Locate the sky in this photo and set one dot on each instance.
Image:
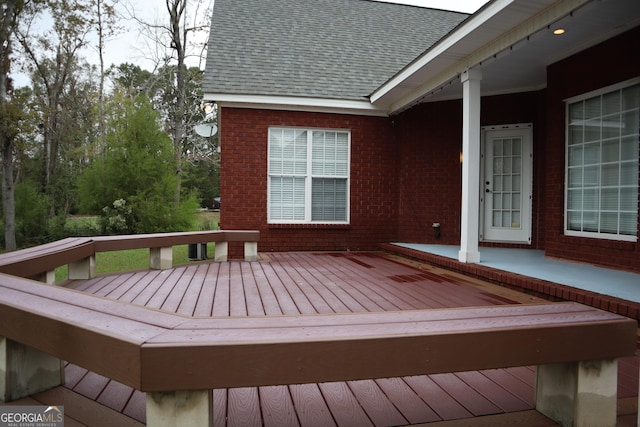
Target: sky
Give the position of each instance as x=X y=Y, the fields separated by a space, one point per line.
x=467 y=6
x=129 y=46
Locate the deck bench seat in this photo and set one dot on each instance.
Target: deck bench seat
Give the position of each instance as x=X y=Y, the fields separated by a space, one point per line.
x=160 y=244
x=176 y=358
x=157 y=240
x=38 y=260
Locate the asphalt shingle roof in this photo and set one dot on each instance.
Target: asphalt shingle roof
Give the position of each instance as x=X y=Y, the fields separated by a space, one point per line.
x=334 y=49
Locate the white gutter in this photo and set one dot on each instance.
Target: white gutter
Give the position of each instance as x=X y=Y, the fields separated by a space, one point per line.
x=321 y=105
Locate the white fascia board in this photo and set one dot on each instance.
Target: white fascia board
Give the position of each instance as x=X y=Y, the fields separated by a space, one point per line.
x=320 y=105
x=474 y=22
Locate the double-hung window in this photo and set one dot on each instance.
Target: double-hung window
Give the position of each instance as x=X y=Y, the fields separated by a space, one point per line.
x=602 y=163
x=308 y=176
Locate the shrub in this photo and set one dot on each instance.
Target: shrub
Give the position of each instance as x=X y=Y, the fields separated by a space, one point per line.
x=133 y=186
x=117 y=219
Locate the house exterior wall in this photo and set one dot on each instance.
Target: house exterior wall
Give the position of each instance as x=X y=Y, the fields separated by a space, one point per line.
x=373 y=181
x=406 y=172
x=606 y=64
x=430 y=138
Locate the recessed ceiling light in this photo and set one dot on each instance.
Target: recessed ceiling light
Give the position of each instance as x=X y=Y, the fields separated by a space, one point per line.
x=558 y=31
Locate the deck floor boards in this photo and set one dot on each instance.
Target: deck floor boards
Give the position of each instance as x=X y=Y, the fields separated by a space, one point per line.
x=316 y=283
x=311 y=408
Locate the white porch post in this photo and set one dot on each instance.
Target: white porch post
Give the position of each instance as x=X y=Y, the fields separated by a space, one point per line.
x=469 y=225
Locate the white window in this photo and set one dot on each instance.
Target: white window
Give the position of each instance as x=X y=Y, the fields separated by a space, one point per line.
x=602 y=163
x=308 y=176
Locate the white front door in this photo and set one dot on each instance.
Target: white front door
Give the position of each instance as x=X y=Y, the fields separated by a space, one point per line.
x=505 y=193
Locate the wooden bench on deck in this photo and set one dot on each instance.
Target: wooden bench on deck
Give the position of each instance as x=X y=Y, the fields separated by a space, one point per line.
x=39 y=262
x=178 y=359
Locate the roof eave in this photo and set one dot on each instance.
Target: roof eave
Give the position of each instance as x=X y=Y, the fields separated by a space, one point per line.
x=321 y=105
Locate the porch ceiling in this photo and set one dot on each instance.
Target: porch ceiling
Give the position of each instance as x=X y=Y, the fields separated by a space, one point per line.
x=512 y=59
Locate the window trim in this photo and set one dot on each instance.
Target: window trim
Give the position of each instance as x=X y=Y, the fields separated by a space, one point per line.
x=589 y=234
x=309 y=178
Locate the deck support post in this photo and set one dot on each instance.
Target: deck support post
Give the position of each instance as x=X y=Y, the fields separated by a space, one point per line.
x=48 y=277
x=250 y=251
x=578 y=393
x=83 y=269
x=25 y=371
x=221 y=251
x=469 y=216
x=180 y=408
x=161 y=258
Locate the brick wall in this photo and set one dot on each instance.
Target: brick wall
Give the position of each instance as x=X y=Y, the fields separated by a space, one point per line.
x=243 y=179
x=603 y=65
x=431 y=173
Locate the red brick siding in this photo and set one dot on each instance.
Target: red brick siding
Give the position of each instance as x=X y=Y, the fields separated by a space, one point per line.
x=603 y=65
x=243 y=179
x=430 y=171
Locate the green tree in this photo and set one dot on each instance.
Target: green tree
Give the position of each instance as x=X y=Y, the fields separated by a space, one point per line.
x=105 y=25
x=133 y=78
x=202 y=177
x=32 y=213
x=10 y=15
x=138 y=169
x=200 y=159
x=186 y=18
x=53 y=58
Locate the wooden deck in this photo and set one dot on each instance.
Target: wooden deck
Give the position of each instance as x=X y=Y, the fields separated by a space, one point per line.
x=316 y=283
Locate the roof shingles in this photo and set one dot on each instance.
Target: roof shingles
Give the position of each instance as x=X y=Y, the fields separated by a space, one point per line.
x=332 y=49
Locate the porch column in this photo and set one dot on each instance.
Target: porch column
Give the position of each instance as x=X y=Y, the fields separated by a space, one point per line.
x=469 y=225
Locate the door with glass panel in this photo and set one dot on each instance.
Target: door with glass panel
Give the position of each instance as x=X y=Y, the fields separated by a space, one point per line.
x=506 y=185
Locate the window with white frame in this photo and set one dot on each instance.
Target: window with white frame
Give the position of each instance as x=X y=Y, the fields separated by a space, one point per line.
x=308 y=176
x=602 y=163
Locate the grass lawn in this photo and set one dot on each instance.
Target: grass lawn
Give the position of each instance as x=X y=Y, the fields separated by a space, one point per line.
x=107 y=262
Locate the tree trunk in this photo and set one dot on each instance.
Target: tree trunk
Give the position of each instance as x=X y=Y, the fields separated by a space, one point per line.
x=102 y=121
x=6 y=144
x=8 y=200
x=176 y=10
x=9 y=15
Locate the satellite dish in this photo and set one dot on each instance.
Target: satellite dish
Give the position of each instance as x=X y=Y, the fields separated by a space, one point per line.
x=206 y=130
